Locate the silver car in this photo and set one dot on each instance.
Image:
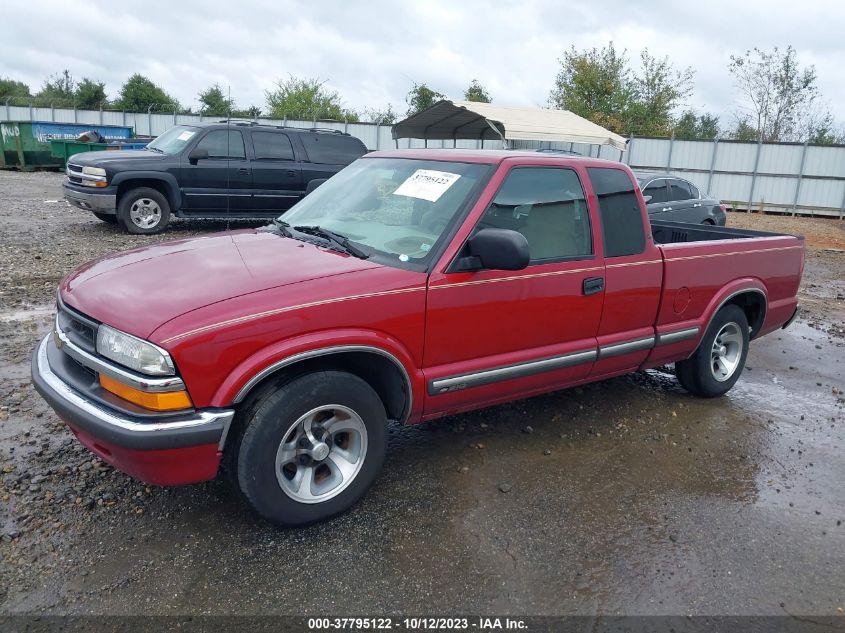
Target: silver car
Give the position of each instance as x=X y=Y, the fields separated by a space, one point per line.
x=677 y=200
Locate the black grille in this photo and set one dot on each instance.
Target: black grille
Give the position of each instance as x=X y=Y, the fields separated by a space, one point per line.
x=76 y=168
x=81 y=330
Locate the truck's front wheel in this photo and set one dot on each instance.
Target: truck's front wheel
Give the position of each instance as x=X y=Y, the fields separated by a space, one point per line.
x=143 y=211
x=720 y=358
x=311 y=448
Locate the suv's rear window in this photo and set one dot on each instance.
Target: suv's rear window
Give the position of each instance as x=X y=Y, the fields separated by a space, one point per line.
x=332 y=149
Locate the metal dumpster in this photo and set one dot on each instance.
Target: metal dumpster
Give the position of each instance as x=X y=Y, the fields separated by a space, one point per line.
x=64 y=149
x=26 y=144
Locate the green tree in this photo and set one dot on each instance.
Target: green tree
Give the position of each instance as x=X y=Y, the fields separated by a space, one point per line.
x=691 y=126
x=138 y=94
x=476 y=92
x=57 y=89
x=596 y=85
x=745 y=131
x=599 y=85
x=214 y=102
x=90 y=95
x=657 y=90
x=306 y=98
x=775 y=91
x=380 y=117
x=420 y=97
x=15 y=91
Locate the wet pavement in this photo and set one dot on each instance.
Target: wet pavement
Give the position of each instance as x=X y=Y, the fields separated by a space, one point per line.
x=624 y=497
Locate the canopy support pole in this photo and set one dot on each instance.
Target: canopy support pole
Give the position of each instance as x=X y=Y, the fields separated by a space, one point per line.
x=496 y=130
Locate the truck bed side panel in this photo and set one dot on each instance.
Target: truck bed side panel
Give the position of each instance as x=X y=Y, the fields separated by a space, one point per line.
x=700 y=276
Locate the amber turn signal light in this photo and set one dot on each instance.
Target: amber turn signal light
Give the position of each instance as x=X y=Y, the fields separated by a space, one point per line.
x=157 y=401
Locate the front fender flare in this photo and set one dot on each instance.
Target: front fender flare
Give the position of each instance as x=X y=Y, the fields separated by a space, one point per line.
x=251 y=371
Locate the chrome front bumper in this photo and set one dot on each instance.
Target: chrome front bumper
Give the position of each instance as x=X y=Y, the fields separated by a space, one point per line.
x=122 y=428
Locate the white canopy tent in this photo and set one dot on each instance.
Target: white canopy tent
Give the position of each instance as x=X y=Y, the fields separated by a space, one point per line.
x=485 y=121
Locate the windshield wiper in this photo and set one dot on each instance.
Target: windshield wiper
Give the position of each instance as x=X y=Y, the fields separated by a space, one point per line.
x=284 y=227
x=336 y=238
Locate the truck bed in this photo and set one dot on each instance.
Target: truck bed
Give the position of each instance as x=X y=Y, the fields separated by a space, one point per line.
x=665 y=232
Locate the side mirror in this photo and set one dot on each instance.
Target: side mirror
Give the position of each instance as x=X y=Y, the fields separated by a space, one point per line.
x=647 y=199
x=197 y=154
x=495 y=249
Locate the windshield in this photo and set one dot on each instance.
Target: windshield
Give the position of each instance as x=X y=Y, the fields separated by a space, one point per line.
x=174 y=140
x=398 y=207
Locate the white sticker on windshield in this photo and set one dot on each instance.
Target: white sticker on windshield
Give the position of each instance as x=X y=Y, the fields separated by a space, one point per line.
x=184 y=136
x=427 y=184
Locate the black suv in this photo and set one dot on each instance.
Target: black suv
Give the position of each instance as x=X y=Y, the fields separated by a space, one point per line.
x=235 y=169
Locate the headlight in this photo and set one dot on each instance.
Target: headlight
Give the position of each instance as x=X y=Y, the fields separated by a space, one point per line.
x=94 y=177
x=133 y=352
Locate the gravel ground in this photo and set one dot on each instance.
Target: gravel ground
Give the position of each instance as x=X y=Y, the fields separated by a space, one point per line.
x=624 y=497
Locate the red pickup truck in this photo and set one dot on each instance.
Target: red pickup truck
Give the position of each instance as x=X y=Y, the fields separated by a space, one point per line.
x=410 y=286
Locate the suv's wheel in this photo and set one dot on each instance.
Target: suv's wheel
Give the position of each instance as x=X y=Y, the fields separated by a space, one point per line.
x=720 y=358
x=310 y=448
x=109 y=218
x=143 y=211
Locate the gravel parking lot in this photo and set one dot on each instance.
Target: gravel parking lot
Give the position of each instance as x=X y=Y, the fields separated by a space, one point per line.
x=624 y=497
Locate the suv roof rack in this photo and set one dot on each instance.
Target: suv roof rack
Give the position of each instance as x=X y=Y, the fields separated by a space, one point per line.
x=319 y=130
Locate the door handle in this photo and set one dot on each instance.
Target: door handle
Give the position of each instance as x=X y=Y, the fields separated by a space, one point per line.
x=291 y=172
x=243 y=170
x=592 y=285
x=697 y=204
x=666 y=209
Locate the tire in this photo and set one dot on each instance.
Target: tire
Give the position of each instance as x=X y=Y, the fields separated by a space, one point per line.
x=143 y=211
x=108 y=218
x=720 y=358
x=273 y=458
x=709 y=222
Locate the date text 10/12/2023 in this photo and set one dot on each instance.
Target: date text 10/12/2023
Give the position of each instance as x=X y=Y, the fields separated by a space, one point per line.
x=417 y=624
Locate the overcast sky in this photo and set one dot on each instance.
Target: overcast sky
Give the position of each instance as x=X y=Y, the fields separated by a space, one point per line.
x=372 y=51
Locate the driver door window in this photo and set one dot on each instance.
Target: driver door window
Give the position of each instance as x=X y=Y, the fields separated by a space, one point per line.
x=547 y=205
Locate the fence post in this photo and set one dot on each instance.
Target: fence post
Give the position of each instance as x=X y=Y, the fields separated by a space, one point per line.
x=842 y=207
x=174 y=116
x=123 y=117
x=8 y=110
x=30 y=111
x=800 y=176
x=630 y=149
x=101 y=113
x=754 y=174
x=75 y=114
x=671 y=145
x=712 y=162
x=53 y=112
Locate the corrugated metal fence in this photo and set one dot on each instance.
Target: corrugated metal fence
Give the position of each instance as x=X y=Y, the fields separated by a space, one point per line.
x=776 y=177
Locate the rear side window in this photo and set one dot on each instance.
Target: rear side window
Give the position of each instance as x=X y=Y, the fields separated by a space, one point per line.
x=694 y=191
x=272 y=146
x=332 y=149
x=223 y=144
x=657 y=191
x=679 y=190
x=621 y=219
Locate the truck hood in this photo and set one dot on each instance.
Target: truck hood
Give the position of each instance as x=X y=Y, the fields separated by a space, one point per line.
x=104 y=157
x=139 y=290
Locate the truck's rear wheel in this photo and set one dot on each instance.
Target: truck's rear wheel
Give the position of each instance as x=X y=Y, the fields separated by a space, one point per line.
x=720 y=358
x=108 y=218
x=143 y=211
x=311 y=448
